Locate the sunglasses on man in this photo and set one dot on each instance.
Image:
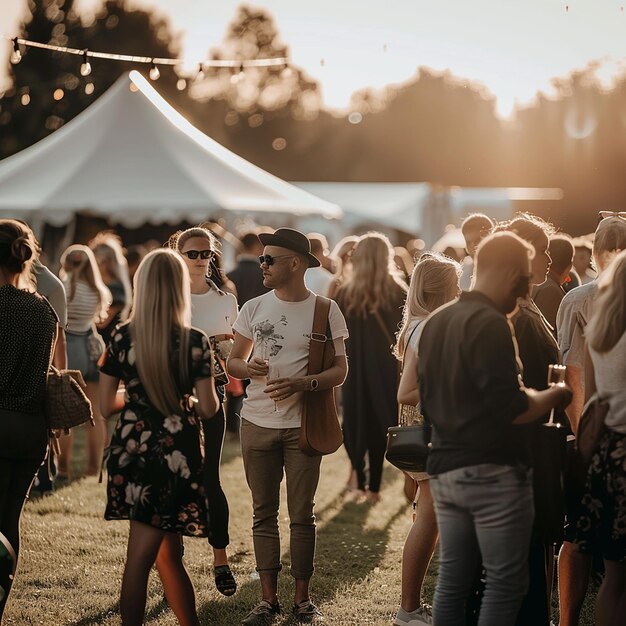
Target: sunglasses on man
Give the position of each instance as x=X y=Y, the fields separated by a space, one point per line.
x=194 y=254
x=604 y=214
x=268 y=259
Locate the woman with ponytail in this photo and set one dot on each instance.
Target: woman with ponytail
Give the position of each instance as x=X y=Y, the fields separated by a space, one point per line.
x=213 y=311
x=27 y=332
x=88 y=301
x=155 y=458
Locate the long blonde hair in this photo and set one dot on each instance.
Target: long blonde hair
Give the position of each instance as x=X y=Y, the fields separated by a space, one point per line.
x=161 y=311
x=608 y=322
x=78 y=263
x=108 y=246
x=375 y=280
x=434 y=282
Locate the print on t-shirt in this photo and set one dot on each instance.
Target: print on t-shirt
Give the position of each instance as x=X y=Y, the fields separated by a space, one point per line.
x=266 y=337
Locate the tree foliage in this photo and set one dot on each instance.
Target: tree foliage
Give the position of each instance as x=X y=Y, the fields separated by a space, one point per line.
x=114 y=28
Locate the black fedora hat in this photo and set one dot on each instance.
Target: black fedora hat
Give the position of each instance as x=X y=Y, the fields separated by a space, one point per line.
x=292 y=240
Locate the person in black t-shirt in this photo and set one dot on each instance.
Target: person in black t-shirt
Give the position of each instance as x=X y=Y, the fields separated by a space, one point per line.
x=472 y=394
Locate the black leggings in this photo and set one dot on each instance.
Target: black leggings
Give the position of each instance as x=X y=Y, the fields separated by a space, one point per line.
x=23 y=441
x=376 y=447
x=218 y=505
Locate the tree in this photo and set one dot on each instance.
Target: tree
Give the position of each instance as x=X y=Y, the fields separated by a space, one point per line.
x=258 y=93
x=48 y=89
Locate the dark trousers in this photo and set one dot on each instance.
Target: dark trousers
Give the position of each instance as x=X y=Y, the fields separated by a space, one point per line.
x=218 y=505
x=376 y=442
x=23 y=443
x=534 y=610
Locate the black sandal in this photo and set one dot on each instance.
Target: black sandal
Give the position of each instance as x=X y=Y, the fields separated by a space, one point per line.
x=225 y=581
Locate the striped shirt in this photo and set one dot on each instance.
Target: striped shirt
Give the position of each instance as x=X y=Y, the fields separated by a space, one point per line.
x=82 y=308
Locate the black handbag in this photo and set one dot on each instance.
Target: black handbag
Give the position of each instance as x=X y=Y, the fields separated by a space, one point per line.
x=408 y=447
x=408 y=443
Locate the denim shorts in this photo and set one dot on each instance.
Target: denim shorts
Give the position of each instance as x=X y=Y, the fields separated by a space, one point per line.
x=83 y=353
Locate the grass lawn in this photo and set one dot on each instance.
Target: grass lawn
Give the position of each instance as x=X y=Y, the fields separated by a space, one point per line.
x=72 y=560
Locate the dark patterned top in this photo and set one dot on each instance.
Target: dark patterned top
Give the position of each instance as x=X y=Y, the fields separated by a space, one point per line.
x=27 y=330
x=154 y=462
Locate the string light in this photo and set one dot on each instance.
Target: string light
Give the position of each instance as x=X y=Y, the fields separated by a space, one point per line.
x=85 y=67
x=16 y=55
x=181 y=83
x=234 y=63
x=154 y=72
x=200 y=74
x=239 y=76
x=89 y=88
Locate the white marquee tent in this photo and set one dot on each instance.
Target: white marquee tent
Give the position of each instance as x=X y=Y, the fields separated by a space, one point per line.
x=133 y=158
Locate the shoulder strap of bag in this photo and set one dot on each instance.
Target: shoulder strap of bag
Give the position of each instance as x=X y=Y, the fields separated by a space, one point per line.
x=385 y=330
x=318 y=334
x=408 y=341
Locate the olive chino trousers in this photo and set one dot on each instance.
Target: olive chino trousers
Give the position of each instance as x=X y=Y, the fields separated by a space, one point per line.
x=268 y=454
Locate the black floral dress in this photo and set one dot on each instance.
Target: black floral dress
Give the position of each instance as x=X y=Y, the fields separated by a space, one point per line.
x=154 y=462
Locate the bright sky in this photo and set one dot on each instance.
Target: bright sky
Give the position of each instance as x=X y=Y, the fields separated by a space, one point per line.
x=513 y=47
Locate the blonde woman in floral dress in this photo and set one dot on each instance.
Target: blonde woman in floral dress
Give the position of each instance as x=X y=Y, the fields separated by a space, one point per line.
x=155 y=458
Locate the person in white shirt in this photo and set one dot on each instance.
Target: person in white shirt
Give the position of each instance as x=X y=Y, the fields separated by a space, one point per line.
x=214 y=312
x=475 y=228
x=272 y=336
x=319 y=279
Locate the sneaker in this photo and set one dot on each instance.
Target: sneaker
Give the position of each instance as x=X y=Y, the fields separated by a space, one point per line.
x=421 y=615
x=262 y=614
x=306 y=612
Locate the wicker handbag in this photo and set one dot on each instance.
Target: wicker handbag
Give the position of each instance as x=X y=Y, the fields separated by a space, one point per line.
x=67 y=405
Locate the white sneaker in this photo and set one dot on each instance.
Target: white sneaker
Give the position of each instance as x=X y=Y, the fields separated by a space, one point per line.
x=421 y=615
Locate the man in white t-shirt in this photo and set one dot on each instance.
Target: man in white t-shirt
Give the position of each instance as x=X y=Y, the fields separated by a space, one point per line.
x=271 y=348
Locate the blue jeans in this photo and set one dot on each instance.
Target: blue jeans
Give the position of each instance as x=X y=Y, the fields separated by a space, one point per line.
x=483 y=511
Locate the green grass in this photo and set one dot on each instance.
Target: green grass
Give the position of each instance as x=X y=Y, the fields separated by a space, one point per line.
x=72 y=560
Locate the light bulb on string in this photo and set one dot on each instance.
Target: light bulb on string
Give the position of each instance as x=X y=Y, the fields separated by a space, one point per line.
x=154 y=71
x=200 y=73
x=239 y=76
x=16 y=55
x=85 y=67
x=181 y=83
x=89 y=88
x=287 y=71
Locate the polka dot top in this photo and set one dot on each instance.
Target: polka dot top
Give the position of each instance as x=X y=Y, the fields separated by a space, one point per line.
x=27 y=330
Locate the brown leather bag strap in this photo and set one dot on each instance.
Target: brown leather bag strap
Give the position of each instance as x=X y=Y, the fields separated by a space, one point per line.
x=318 y=335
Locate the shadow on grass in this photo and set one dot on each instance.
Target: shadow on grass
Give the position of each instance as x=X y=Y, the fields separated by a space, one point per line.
x=97 y=618
x=346 y=553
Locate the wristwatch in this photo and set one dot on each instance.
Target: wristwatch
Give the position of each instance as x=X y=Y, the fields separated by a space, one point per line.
x=314 y=384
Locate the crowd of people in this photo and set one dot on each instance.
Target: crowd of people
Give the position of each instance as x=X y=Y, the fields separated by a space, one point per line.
x=180 y=352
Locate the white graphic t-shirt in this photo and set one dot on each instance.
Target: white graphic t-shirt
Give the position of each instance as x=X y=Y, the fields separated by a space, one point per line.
x=281 y=333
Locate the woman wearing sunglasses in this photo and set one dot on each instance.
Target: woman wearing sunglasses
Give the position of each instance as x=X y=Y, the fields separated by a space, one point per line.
x=214 y=312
